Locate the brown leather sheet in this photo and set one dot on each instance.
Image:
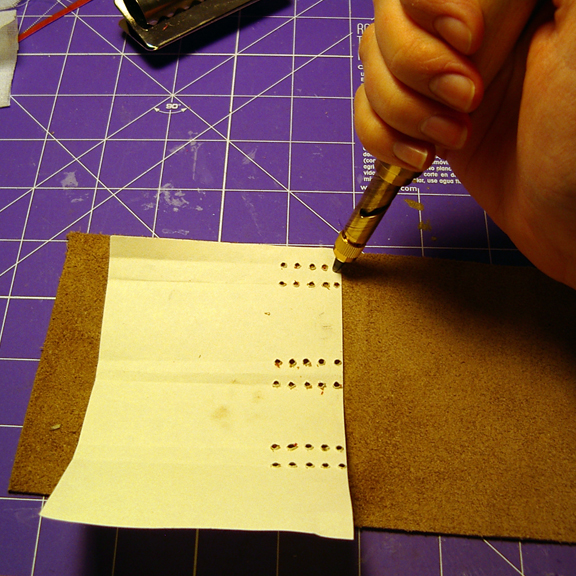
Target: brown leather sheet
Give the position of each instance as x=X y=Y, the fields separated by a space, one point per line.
x=460 y=393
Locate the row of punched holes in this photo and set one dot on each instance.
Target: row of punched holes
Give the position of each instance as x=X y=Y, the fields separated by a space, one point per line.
x=293 y=363
x=324 y=465
x=307 y=385
x=297 y=266
x=312 y=284
x=294 y=446
x=296 y=284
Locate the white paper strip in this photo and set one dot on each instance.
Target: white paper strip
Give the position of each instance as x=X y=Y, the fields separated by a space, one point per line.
x=218 y=400
x=5 y=4
x=8 y=53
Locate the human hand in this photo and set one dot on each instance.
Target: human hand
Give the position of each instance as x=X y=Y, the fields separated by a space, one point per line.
x=494 y=93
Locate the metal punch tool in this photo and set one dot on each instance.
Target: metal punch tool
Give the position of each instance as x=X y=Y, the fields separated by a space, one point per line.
x=156 y=23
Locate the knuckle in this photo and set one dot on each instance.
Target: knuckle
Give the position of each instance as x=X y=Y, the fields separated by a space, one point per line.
x=415 y=63
x=405 y=56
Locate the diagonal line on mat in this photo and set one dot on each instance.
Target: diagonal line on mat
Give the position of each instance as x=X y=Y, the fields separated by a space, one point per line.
x=230 y=58
x=52 y=18
x=77 y=158
x=70 y=224
x=36 y=174
x=294 y=195
x=252 y=99
x=49 y=9
x=138 y=67
x=176 y=150
x=103 y=149
x=210 y=126
x=502 y=556
x=113 y=195
x=96 y=178
x=122 y=54
x=245 y=104
x=289 y=20
x=309 y=8
x=15 y=200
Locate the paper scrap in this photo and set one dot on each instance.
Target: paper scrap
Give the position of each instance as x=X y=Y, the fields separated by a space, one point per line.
x=8 y=53
x=6 y=4
x=218 y=400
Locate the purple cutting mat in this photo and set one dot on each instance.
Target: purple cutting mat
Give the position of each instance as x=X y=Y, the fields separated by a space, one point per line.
x=243 y=133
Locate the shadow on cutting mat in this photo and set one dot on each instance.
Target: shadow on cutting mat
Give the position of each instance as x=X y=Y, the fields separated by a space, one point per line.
x=101 y=551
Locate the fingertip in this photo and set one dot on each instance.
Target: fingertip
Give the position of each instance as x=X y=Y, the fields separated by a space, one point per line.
x=460 y=23
x=387 y=144
x=456 y=90
x=416 y=157
x=447 y=131
x=455 y=32
x=367 y=35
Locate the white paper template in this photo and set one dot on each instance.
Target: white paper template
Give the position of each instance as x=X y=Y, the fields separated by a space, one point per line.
x=8 y=53
x=218 y=400
x=6 y=4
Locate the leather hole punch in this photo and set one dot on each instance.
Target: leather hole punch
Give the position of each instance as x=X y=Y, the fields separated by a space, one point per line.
x=156 y=23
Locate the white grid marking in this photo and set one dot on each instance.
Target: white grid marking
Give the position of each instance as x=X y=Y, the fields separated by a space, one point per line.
x=519 y=570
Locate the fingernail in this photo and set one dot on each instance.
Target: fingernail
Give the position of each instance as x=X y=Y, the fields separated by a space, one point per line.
x=445 y=131
x=413 y=155
x=455 y=32
x=455 y=89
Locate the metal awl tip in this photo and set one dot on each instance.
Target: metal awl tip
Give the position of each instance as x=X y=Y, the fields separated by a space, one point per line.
x=337 y=266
